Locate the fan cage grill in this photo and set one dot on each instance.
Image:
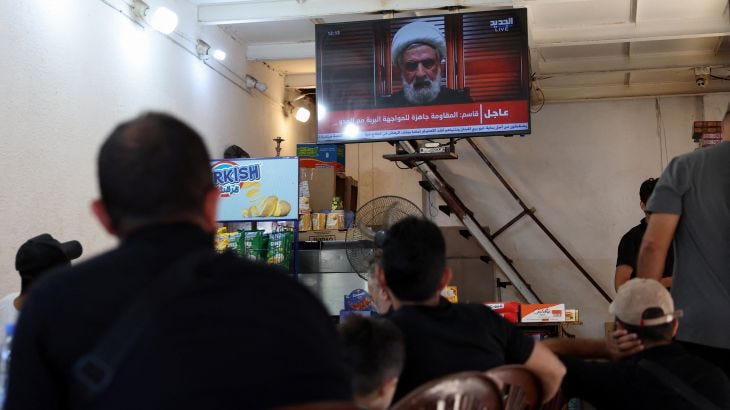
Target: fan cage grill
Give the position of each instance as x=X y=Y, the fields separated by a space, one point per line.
x=378 y=215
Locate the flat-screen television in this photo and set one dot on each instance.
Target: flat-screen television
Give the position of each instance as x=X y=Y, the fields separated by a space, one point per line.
x=441 y=76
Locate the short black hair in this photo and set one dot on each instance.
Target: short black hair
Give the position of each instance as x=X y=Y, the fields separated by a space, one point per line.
x=151 y=168
x=413 y=259
x=657 y=333
x=647 y=187
x=373 y=349
x=53 y=259
x=234 y=151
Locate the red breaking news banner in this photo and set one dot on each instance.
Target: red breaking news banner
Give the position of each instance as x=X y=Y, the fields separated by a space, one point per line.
x=509 y=117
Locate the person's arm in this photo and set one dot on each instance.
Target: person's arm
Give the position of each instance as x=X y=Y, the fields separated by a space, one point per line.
x=583 y=348
x=32 y=383
x=618 y=346
x=655 y=245
x=628 y=251
x=548 y=368
x=623 y=274
x=666 y=282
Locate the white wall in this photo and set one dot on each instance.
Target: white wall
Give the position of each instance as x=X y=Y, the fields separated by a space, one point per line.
x=377 y=176
x=580 y=168
x=73 y=69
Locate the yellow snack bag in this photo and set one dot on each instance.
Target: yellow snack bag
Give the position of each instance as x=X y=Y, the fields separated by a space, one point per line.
x=221 y=239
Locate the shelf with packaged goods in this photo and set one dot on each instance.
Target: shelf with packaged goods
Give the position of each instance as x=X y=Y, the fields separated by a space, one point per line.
x=271 y=242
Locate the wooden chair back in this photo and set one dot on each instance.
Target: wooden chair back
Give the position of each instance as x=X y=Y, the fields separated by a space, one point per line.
x=458 y=391
x=559 y=402
x=521 y=389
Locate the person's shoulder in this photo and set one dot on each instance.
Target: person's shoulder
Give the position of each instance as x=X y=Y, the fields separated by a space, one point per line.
x=719 y=153
x=241 y=273
x=70 y=277
x=58 y=289
x=246 y=269
x=480 y=313
x=721 y=149
x=636 y=231
x=474 y=308
x=679 y=357
x=628 y=236
x=415 y=315
x=477 y=308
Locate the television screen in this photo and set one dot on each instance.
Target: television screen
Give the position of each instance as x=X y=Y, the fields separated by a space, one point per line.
x=452 y=75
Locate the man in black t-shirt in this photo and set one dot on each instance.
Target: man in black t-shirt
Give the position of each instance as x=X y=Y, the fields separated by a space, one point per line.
x=628 y=248
x=441 y=337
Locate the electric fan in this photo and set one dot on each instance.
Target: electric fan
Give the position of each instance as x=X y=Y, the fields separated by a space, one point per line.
x=372 y=221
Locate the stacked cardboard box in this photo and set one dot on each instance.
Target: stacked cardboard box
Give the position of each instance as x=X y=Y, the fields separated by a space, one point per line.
x=321 y=180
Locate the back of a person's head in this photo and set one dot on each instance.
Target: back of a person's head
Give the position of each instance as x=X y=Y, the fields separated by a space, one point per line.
x=647 y=187
x=41 y=254
x=374 y=351
x=645 y=307
x=151 y=168
x=234 y=151
x=656 y=333
x=413 y=259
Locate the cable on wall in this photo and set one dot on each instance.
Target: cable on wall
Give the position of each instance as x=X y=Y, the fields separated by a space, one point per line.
x=661 y=136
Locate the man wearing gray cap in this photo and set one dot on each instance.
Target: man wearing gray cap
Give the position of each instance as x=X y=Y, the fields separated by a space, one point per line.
x=417 y=50
x=661 y=375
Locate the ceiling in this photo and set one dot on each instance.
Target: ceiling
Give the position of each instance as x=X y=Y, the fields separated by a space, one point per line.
x=580 y=49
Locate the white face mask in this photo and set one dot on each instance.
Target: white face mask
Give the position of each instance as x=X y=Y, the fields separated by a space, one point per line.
x=422 y=95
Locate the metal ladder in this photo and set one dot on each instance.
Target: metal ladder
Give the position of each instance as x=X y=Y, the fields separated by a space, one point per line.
x=485 y=240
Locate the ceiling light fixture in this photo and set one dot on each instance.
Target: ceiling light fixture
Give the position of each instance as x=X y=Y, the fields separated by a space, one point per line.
x=302 y=114
x=219 y=55
x=252 y=83
x=161 y=19
x=204 y=52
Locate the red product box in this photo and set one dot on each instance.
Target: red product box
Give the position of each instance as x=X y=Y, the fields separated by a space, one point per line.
x=544 y=312
x=508 y=310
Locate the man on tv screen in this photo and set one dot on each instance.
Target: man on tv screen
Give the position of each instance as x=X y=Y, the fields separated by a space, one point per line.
x=417 y=50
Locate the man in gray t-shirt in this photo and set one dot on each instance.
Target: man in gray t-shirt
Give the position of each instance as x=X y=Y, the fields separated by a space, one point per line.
x=691 y=203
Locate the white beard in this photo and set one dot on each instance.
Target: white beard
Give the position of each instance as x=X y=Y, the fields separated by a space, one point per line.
x=422 y=95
